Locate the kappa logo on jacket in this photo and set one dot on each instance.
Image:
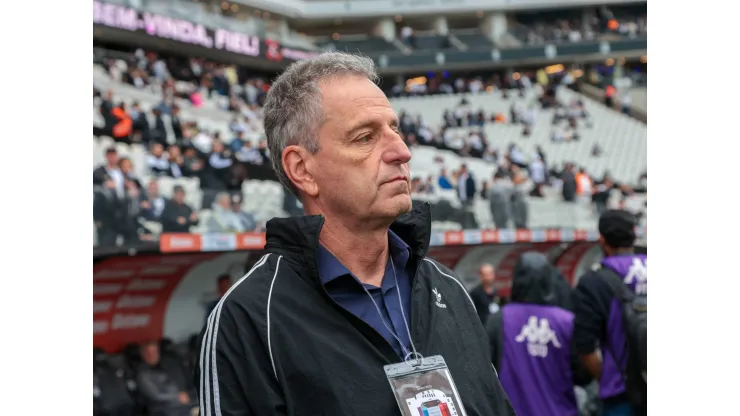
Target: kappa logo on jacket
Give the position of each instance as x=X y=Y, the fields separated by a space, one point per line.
x=537 y=333
x=438 y=298
x=637 y=275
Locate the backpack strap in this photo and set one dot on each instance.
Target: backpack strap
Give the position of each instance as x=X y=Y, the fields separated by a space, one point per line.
x=616 y=284
x=624 y=296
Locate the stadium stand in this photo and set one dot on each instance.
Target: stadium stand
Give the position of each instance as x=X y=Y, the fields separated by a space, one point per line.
x=620 y=140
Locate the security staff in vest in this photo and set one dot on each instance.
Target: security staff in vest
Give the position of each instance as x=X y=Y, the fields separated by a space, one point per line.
x=598 y=320
x=346 y=289
x=532 y=343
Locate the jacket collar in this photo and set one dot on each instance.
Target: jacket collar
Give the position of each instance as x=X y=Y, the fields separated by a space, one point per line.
x=298 y=237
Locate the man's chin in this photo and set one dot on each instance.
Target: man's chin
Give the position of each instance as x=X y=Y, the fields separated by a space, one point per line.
x=405 y=206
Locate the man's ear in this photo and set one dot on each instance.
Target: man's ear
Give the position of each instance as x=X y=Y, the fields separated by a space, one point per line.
x=297 y=162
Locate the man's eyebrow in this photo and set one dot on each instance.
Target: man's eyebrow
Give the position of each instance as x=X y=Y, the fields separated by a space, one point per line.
x=362 y=125
x=370 y=123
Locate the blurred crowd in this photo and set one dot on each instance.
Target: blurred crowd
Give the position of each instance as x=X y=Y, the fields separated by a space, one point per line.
x=128 y=206
x=569 y=27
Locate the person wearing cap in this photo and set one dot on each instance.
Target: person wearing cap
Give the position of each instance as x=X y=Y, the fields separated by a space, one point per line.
x=598 y=319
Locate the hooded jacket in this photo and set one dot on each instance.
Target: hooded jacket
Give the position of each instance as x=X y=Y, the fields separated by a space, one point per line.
x=531 y=341
x=277 y=344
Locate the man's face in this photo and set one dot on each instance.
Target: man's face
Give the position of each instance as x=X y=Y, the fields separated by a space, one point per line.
x=173 y=151
x=157 y=150
x=217 y=146
x=153 y=189
x=150 y=353
x=179 y=197
x=361 y=168
x=487 y=274
x=225 y=202
x=126 y=166
x=111 y=158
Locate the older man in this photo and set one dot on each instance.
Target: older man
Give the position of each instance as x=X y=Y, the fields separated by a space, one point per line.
x=346 y=290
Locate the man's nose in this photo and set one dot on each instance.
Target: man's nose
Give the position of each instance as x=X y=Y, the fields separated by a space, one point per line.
x=397 y=151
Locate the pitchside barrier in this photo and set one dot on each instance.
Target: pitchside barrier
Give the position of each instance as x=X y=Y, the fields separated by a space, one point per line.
x=161 y=290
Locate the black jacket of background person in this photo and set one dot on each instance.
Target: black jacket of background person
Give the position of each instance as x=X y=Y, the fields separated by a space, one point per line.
x=483 y=301
x=279 y=345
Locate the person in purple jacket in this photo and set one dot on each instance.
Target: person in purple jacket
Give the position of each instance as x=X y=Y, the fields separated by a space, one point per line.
x=531 y=342
x=598 y=317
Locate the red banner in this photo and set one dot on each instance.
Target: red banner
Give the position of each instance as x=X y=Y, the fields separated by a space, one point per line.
x=130 y=296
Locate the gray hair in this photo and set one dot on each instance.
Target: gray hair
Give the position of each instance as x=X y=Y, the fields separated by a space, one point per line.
x=293 y=111
x=221 y=196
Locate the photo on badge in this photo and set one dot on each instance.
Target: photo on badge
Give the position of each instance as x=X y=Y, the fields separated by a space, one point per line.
x=428 y=393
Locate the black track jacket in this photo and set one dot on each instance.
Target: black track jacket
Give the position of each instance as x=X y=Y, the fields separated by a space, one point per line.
x=277 y=344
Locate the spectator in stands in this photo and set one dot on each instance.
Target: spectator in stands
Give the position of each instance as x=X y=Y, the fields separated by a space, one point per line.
x=248 y=221
x=176 y=162
x=584 y=184
x=596 y=150
x=192 y=163
x=109 y=172
x=161 y=387
x=107 y=213
x=416 y=185
x=177 y=216
x=122 y=124
x=238 y=141
x=214 y=177
x=485 y=296
x=466 y=188
x=223 y=218
x=247 y=153
x=203 y=141
x=500 y=200
x=157 y=161
x=538 y=176
x=625 y=100
x=127 y=170
x=158 y=132
x=430 y=187
x=519 y=205
x=569 y=183
x=140 y=124
x=153 y=204
x=176 y=123
x=106 y=110
x=130 y=207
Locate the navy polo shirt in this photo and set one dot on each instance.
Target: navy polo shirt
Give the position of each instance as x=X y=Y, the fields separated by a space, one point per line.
x=347 y=291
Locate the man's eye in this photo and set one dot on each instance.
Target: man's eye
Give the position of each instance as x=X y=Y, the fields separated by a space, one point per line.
x=365 y=139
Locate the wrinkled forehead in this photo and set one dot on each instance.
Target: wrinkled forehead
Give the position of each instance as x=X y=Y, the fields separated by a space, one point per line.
x=346 y=98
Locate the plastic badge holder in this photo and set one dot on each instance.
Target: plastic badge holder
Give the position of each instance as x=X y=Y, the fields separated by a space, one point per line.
x=424 y=387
